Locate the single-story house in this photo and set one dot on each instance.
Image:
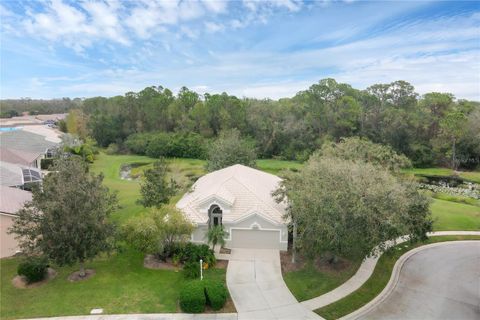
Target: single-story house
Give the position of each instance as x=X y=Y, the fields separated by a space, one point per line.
x=240 y=199
x=18 y=176
x=27 y=146
x=11 y=200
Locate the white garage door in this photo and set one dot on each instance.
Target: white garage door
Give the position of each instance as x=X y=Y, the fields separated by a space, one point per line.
x=258 y=239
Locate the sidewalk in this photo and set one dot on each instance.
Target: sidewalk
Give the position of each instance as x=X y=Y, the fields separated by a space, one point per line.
x=365 y=271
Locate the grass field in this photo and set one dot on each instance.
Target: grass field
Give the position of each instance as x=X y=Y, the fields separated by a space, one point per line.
x=121 y=285
x=450 y=215
x=378 y=280
x=473 y=176
x=311 y=282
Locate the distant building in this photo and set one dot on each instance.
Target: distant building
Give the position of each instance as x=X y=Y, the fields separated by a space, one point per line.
x=11 y=201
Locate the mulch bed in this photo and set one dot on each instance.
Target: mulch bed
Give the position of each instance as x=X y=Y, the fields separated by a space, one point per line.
x=152 y=262
x=221 y=264
x=321 y=264
x=20 y=282
x=76 y=275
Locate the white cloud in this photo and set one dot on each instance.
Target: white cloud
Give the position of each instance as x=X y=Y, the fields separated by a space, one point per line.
x=213 y=27
x=217 y=6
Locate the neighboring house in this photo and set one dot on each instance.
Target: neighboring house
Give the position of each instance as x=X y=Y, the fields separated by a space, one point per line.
x=18 y=176
x=11 y=200
x=240 y=199
x=25 y=148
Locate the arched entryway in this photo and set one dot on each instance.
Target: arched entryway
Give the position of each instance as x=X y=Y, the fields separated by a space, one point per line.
x=214 y=216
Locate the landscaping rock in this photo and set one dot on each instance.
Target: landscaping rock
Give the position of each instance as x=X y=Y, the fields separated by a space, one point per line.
x=20 y=282
x=76 y=275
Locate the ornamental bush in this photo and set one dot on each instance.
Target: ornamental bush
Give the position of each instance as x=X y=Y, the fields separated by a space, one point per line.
x=191 y=270
x=194 y=252
x=216 y=294
x=192 y=297
x=34 y=269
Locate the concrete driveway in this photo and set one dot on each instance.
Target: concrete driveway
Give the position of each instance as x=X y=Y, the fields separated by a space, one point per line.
x=256 y=285
x=441 y=282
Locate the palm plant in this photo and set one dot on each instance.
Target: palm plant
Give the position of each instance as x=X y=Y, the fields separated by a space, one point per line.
x=216 y=235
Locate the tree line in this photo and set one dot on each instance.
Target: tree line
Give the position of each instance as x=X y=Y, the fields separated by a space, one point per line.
x=433 y=129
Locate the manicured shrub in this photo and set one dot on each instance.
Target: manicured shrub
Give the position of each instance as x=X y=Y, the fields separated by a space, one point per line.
x=33 y=268
x=192 y=297
x=216 y=294
x=191 y=270
x=194 y=252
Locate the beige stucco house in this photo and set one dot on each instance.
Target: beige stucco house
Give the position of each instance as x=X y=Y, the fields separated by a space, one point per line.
x=11 y=200
x=240 y=199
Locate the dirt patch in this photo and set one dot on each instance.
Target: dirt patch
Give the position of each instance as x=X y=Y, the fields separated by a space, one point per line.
x=225 y=251
x=20 y=282
x=221 y=264
x=321 y=264
x=286 y=262
x=76 y=275
x=152 y=262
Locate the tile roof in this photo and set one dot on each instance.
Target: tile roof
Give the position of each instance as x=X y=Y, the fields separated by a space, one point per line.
x=242 y=189
x=13 y=199
x=17 y=156
x=25 y=141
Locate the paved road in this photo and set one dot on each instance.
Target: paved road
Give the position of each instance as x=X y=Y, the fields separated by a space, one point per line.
x=437 y=283
x=256 y=285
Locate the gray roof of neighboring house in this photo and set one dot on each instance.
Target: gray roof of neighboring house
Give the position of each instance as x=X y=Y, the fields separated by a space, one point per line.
x=17 y=156
x=13 y=199
x=25 y=141
x=16 y=175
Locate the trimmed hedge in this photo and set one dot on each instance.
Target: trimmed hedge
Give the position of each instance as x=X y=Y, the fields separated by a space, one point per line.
x=191 y=270
x=192 y=297
x=196 y=294
x=216 y=294
x=34 y=269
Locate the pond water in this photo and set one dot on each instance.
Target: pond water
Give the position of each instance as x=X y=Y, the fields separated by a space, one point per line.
x=126 y=170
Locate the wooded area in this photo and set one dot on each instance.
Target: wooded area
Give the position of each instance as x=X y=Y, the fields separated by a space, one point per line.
x=433 y=129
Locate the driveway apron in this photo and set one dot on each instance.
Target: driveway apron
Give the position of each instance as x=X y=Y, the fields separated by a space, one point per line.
x=255 y=282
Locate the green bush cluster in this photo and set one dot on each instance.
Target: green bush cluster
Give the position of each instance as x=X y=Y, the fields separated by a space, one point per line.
x=163 y=144
x=191 y=269
x=195 y=252
x=192 y=297
x=196 y=294
x=216 y=294
x=46 y=163
x=34 y=269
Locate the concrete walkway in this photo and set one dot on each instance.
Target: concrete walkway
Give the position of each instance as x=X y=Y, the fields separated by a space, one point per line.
x=256 y=285
x=152 y=316
x=436 y=281
x=364 y=273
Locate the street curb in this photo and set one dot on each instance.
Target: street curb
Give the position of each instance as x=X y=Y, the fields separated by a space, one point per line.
x=397 y=269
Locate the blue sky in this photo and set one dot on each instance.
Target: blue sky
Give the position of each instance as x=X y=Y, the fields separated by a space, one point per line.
x=248 y=48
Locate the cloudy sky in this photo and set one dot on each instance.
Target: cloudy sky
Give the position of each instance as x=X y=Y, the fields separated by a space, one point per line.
x=259 y=49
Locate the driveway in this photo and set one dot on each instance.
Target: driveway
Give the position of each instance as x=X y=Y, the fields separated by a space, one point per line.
x=441 y=282
x=256 y=285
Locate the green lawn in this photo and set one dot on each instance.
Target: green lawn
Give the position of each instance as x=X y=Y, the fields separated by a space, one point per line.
x=450 y=215
x=473 y=176
x=311 y=282
x=121 y=285
x=378 y=280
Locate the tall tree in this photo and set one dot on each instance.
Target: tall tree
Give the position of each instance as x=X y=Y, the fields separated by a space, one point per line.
x=229 y=149
x=67 y=219
x=345 y=208
x=156 y=190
